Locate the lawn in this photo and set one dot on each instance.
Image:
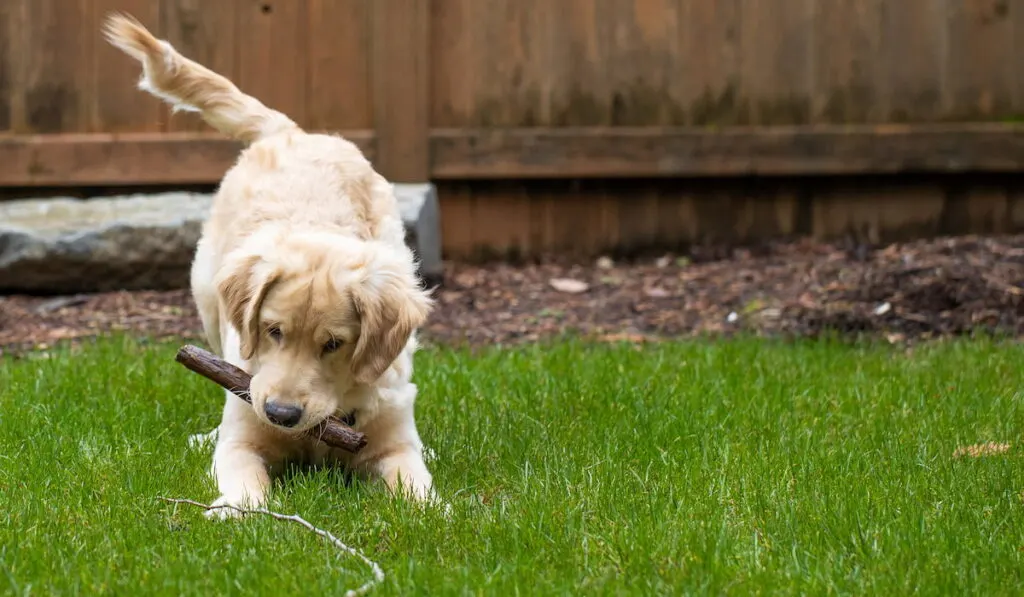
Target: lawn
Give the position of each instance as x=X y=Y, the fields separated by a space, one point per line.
x=738 y=467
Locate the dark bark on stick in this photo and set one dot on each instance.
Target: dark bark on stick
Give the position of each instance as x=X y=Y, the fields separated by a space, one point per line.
x=331 y=432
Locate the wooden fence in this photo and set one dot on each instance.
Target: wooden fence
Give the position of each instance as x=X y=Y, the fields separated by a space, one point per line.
x=571 y=125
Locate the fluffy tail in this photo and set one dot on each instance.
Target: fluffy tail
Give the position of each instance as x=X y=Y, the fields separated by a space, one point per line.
x=187 y=85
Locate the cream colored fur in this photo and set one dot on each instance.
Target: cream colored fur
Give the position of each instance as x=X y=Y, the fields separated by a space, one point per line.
x=302 y=277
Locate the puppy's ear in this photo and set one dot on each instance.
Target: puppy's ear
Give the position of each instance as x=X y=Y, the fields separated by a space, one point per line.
x=242 y=284
x=390 y=305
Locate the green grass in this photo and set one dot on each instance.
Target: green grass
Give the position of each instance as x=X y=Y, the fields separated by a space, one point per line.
x=735 y=467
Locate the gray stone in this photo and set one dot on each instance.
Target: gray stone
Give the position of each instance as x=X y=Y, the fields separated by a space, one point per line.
x=421 y=214
x=65 y=245
x=131 y=242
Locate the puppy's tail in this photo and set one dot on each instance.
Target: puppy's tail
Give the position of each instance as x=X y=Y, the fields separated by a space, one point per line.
x=187 y=85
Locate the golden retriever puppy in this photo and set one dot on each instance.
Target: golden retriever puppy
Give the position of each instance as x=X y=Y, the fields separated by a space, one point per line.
x=302 y=277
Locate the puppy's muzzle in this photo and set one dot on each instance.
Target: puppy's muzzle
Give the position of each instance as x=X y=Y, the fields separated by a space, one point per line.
x=285 y=415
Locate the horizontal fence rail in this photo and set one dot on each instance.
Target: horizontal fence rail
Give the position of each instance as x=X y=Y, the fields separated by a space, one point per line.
x=503 y=154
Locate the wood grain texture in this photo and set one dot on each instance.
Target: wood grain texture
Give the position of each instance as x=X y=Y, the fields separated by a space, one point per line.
x=639 y=223
x=338 y=78
x=205 y=32
x=400 y=32
x=130 y=159
x=588 y=218
x=801 y=150
x=9 y=22
x=1015 y=205
x=452 y=63
x=848 y=76
x=707 y=213
x=55 y=71
x=711 y=83
x=117 y=105
x=1016 y=15
x=878 y=212
x=640 y=61
x=570 y=63
x=457 y=224
x=979 y=76
x=271 y=54
x=988 y=209
x=915 y=32
x=607 y=152
x=331 y=64
x=775 y=60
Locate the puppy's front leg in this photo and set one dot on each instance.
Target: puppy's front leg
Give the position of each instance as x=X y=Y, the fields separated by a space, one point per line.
x=242 y=478
x=404 y=471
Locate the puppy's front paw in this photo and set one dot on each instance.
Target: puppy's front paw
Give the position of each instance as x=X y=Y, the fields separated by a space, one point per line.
x=198 y=441
x=226 y=508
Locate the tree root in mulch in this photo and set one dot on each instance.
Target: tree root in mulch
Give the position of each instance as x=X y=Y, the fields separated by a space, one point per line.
x=926 y=289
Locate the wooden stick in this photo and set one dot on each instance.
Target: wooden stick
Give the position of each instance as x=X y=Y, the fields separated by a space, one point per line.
x=332 y=432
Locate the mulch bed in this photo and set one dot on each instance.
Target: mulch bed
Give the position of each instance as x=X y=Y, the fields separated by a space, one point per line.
x=904 y=292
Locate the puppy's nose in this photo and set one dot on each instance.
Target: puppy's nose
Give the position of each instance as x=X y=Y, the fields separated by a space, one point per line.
x=285 y=415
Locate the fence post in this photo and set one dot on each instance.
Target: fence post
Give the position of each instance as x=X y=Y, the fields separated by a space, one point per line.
x=399 y=69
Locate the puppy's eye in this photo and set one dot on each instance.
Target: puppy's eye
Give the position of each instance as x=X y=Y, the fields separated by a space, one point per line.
x=332 y=345
x=274 y=332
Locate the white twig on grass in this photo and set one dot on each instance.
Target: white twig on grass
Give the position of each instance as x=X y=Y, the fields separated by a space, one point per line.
x=378 y=574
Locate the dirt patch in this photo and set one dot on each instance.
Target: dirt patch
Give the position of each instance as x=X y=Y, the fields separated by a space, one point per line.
x=979 y=450
x=910 y=291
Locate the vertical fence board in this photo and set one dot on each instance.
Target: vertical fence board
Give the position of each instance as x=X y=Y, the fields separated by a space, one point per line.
x=205 y=32
x=606 y=229
x=1015 y=206
x=586 y=85
x=9 y=21
x=338 y=39
x=776 y=54
x=548 y=217
x=1016 y=15
x=847 y=63
x=979 y=59
x=988 y=209
x=568 y=63
x=678 y=220
x=636 y=38
x=879 y=212
x=501 y=219
x=638 y=221
x=711 y=32
x=400 y=31
x=16 y=34
x=271 y=54
x=451 y=62
x=659 y=88
x=117 y=104
x=545 y=49
x=912 y=48
x=456 y=209
x=55 y=79
x=507 y=50
x=580 y=198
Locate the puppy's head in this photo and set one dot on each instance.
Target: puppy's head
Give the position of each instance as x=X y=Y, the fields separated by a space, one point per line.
x=316 y=315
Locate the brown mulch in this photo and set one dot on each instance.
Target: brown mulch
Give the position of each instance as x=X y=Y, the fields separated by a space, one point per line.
x=908 y=291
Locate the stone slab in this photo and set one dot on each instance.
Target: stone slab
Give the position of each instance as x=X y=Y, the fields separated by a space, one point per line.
x=64 y=245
